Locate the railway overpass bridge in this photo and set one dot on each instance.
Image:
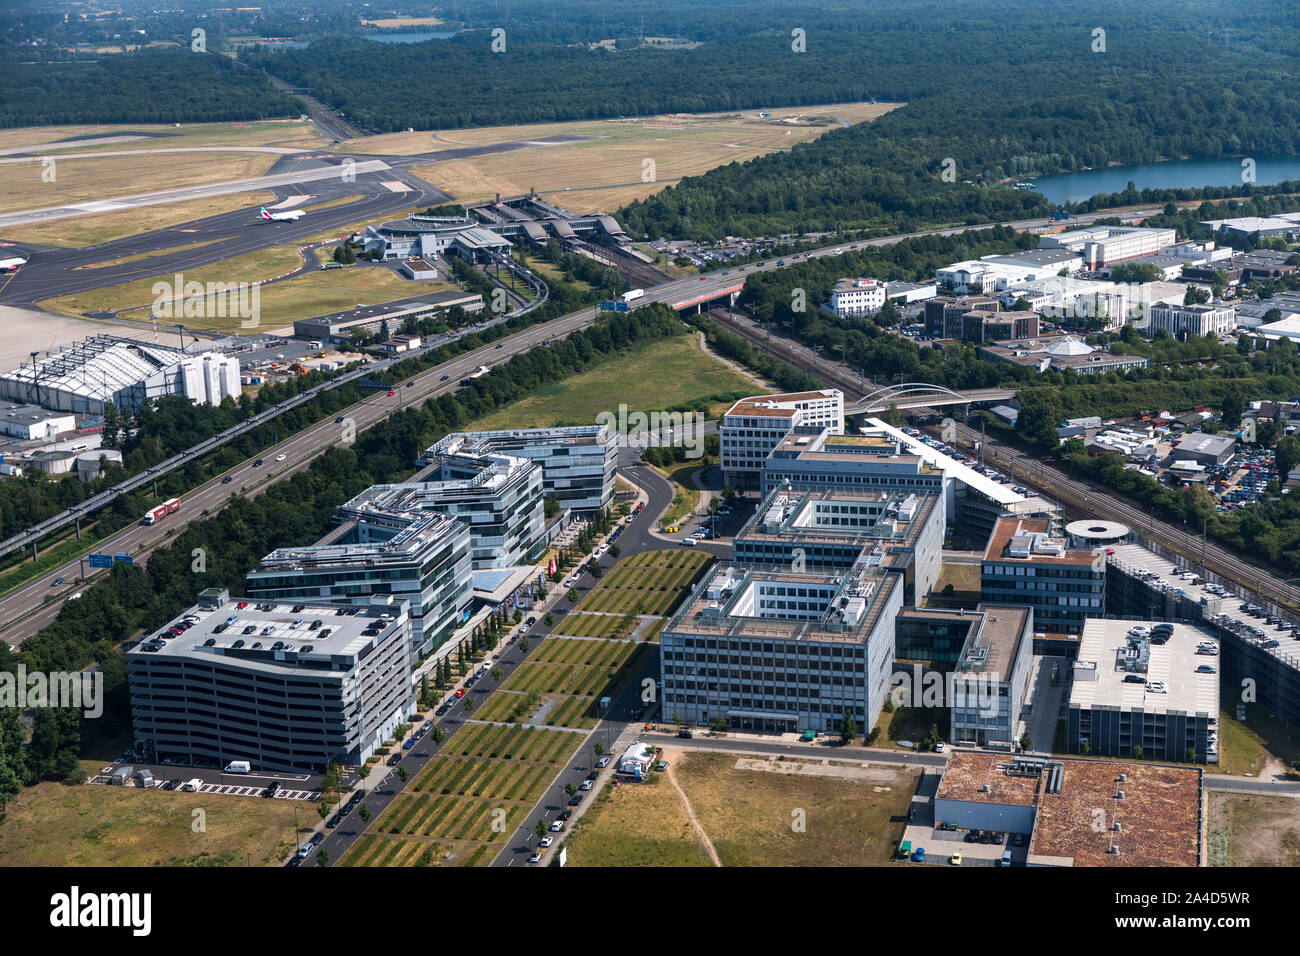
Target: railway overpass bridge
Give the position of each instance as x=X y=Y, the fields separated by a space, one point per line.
x=917 y=395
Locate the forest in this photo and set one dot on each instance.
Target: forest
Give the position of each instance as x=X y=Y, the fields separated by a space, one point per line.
x=152 y=86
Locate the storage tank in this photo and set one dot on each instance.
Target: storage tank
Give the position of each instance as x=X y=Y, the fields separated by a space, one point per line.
x=88 y=462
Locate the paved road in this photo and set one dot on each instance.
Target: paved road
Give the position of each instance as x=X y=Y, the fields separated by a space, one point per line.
x=299 y=451
x=1079 y=499
x=58 y=272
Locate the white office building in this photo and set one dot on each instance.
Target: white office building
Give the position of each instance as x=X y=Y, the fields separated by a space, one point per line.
x=577 y=462
x=1180 y=321
x=857 y=297
x=754 y=426
x=1099 y=246
x=426 y=563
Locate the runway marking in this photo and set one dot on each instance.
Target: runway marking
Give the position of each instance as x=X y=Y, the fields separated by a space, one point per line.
x=394 y=185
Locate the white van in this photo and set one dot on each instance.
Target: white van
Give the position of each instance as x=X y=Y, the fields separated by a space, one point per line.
x=238 y=766
x=192 y=786
x=688 y=542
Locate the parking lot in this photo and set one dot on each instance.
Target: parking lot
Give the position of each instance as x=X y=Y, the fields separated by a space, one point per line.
x=1243 y=479
x=214 y=780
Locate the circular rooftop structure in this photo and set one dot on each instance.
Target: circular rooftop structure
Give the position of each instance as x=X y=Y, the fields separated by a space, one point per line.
x=1093 y=532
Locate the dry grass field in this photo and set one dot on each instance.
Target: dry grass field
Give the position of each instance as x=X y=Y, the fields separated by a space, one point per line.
x=604 y=172
x=57 y=825
x=1251 y=830
x=313 y=293
x=785 y=815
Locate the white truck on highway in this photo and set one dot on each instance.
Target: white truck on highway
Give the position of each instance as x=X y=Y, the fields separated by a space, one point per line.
x=633 y=294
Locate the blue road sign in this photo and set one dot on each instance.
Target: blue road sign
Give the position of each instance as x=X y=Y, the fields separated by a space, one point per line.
x=101 y=561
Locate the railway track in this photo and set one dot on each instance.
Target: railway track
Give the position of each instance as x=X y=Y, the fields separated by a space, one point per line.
x=1077 y=499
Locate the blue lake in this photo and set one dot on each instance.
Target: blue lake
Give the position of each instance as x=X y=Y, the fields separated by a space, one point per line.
x=408 y=37
x=1175 y=174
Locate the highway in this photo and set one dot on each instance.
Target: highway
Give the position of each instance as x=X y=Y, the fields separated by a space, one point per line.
x=299 y=450
x=16 y=608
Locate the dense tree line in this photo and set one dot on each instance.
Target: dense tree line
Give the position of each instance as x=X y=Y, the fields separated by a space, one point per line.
x=151 y=86
x=295 y=511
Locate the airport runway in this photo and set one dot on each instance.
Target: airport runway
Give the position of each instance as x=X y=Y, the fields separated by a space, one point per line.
x=54 y=272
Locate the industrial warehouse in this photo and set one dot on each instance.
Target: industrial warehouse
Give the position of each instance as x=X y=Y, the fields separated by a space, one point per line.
x=83 y=378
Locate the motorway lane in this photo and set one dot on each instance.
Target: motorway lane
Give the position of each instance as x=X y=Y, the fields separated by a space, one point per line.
x=299 y=450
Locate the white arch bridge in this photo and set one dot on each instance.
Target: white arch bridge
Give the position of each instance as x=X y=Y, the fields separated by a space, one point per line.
x=923 y=395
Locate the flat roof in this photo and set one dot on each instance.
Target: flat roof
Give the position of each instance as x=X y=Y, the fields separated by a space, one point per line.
x=699 y=614
x=782 y=404
x=1159 y=814
x=30 y=414
x=993 y=490
x=969 y=772
x=785 y=515
x=1160 y=573
x=1173 y=663
x=339 y=635
x=1008 y=528
x=993 y=649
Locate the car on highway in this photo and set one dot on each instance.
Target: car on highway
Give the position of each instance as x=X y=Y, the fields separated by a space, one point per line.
x=391 y=393
x=56 y=582
x=444 y=378
x=279 y=457
x=339 y=420
x=460 y=692
x=501 y=345
x=256 y=463
x=226 y=480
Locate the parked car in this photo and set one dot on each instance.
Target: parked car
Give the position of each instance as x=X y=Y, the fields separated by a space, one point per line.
x=602 y=762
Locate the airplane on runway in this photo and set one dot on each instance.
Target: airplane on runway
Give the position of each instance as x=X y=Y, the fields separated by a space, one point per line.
x=287 y=216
